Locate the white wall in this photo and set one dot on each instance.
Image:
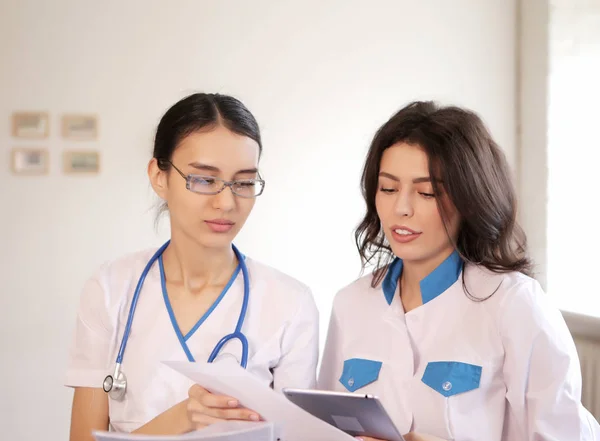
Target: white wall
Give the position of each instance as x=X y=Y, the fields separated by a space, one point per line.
x=558 y=148
x=320 y=77
x=533 y=129
x=573 y=154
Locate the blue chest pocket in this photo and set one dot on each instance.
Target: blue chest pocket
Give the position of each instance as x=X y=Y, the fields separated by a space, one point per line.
x=359 y=372
x=451 y=377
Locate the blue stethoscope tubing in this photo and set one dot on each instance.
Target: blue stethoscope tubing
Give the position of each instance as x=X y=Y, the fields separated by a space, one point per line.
x=237 y=334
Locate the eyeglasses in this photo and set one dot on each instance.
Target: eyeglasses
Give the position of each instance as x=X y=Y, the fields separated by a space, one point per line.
x=211 y=185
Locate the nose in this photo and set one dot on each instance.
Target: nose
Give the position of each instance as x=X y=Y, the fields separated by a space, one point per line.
x=404 y=204
x=225 y=200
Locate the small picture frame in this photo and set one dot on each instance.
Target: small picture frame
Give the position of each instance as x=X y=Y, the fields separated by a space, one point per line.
x=30 y=125
x=29 y=161
x=80 y=127
x=81 y=162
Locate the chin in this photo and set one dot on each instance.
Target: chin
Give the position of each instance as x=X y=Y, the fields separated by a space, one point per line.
x=411 y=252
x=211 y=240
x=216 y=240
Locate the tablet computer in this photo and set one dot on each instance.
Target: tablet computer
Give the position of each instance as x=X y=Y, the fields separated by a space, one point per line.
x=355 y=414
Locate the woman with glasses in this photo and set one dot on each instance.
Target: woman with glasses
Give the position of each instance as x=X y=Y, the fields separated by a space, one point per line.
x=195 y=298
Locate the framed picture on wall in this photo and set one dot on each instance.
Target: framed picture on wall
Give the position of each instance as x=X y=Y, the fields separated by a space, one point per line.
x=81 y=162
x=30 y=125
x=29 y=161
x=80 y=127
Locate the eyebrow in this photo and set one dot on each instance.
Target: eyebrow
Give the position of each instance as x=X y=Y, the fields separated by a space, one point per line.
x=415 y=180
x=212 y=168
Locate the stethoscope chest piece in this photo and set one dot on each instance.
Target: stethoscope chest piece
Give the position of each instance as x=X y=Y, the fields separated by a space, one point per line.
x=115 y=385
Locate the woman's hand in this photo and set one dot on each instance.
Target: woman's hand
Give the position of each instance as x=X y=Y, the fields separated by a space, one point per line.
x=205 y=408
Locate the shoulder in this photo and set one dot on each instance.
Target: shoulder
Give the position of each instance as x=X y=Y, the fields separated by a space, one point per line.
x=482 y=283
x=518 y=303
x=125 y=266
x=359 y=296
x=270 y=277
x=498 y=290
x=114 y=276
x=276 y=285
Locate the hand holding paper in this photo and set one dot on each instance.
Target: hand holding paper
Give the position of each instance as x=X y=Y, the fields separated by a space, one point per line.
x=205 y=408
x=228 y=378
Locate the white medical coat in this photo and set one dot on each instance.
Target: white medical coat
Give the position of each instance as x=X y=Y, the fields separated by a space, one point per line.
x=281 y=326
x=501 y=369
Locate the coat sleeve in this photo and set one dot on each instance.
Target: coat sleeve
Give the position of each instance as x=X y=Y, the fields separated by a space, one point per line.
x=331 y=359
x=88 y=361
x=541 y=371
x=300 y=349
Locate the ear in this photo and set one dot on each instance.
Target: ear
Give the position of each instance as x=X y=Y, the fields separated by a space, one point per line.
x=158 y=179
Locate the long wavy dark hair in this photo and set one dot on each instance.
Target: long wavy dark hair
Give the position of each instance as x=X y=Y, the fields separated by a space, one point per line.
x=475 y=176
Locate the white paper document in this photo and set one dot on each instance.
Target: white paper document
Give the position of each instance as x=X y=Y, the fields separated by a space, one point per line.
x=226 y=431
x=291 y=422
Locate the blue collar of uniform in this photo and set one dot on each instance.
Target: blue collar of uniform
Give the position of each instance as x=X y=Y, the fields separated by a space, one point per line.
x=436 y=282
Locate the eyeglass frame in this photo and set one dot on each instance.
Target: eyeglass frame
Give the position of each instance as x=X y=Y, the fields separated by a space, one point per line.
x=229 y=184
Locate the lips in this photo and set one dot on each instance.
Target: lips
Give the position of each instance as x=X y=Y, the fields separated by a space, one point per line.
x=403 y=230
x=220 y=225
x=403 y=234
x=220 y=222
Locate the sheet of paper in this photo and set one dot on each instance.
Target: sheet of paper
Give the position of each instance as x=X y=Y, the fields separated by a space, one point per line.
x=227 y=431
x=228 y=378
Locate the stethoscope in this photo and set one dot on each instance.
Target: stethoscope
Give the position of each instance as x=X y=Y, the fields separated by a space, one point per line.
x=116 y=384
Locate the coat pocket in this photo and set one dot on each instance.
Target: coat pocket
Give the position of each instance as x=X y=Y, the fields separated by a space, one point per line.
x=359 y=372
x=451 y=378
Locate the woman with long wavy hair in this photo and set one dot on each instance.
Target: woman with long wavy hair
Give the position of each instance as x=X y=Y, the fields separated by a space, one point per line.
x=451 y=330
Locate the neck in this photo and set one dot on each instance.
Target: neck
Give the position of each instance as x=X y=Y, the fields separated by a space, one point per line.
x=415 y=271
x=194 y=266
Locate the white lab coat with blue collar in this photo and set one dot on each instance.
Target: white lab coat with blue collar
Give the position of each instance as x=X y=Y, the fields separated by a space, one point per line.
x=281 y=325
x=501 y=369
